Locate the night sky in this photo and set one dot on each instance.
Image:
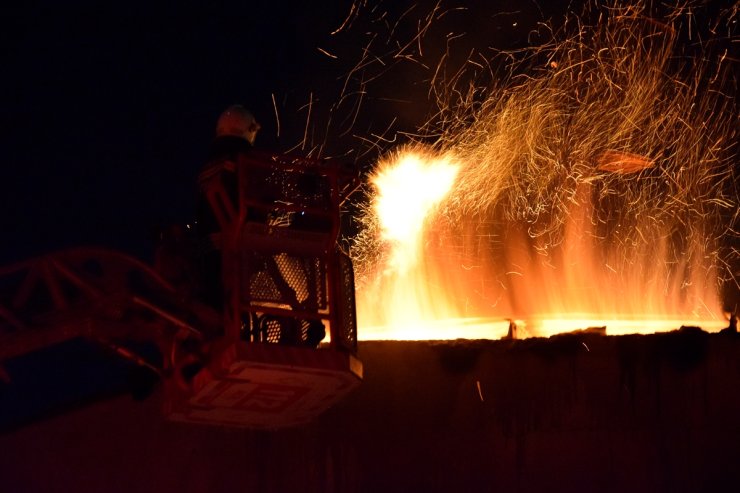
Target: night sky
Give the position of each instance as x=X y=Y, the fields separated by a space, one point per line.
x=108 y=108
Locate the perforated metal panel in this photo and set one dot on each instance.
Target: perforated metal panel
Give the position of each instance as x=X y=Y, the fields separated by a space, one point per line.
x=285 y=279
x=348 y=316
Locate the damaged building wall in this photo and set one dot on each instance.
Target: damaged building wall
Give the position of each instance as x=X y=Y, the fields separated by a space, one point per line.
x=570 y=413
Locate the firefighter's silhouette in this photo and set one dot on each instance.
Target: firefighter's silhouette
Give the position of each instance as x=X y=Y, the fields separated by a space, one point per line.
x=236 y=131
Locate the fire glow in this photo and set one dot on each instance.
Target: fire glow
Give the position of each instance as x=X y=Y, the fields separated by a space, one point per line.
x=587 y=195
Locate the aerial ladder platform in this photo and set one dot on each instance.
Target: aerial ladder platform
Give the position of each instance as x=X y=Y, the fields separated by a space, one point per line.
x=278 y=349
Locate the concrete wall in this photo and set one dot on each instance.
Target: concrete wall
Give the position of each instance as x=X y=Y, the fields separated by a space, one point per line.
x=574 y=413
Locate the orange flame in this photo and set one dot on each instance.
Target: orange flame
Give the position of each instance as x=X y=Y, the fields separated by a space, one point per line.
x=421 y=287
x=404 y=294
x=409 y=189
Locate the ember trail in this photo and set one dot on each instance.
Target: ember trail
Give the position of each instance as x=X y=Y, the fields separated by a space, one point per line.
x=587 y=188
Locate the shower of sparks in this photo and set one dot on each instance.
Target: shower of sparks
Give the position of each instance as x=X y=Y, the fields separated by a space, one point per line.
x=595 y=184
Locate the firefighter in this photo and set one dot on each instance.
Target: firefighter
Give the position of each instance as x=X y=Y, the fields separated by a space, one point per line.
x=236 y=131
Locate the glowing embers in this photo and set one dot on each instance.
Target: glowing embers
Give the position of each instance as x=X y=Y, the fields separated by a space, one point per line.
x=491 y=329
x=441 y=329
x=623 y=162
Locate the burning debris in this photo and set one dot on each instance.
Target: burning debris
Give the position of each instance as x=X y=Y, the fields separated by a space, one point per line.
x=593 y=186
x=623 y=162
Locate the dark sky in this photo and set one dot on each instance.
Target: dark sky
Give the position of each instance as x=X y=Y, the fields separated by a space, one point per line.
x=108 y=107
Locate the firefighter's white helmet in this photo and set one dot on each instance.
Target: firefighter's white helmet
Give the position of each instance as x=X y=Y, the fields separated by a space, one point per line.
x=236 y=121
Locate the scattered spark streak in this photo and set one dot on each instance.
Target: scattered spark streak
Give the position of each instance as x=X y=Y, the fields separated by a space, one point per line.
x=358 y=104
x=420 y=32
x=480 y=392
x=586 y=346
x=277 y=116
x=330 y=55
x=308 y=121
x=348 y=20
